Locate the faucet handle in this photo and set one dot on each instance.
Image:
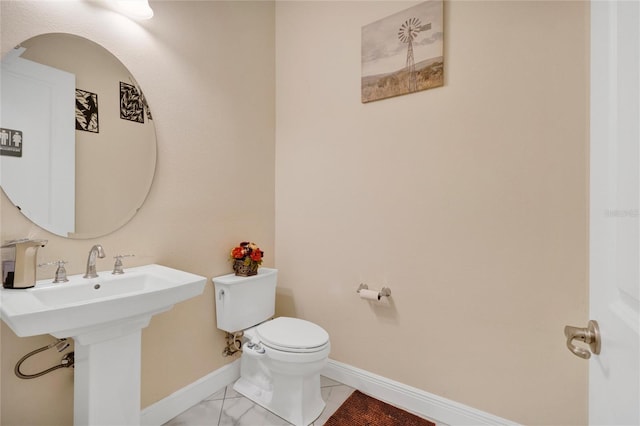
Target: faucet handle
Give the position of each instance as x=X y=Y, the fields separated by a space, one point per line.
x=61 y=272
x=117 y=266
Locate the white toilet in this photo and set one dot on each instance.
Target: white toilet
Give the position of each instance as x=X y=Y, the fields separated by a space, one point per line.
x=282 y=357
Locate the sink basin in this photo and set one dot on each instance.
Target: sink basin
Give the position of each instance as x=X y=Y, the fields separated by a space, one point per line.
x=70 y=309
x=96 y=289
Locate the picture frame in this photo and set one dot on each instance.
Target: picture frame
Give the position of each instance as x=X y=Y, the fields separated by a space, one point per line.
x=404 y=52
x=87 y=111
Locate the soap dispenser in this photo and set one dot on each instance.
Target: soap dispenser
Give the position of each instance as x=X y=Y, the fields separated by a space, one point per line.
x=19 y=268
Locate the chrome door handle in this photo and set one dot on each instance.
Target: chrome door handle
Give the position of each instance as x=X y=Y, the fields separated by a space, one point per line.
x=589 y=335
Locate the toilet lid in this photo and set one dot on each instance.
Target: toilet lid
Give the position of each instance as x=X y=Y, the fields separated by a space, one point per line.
x=292 y=334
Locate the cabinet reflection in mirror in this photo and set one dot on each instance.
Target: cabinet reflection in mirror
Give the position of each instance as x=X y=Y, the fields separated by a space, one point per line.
x=77 y=139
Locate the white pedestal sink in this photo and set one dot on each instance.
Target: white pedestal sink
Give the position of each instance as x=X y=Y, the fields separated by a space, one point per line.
x=105 y=317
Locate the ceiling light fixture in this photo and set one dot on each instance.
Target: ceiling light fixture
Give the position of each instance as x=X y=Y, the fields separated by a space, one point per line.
x=136 y=9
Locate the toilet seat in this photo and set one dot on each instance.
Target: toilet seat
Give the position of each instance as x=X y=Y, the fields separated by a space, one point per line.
x=292 y=335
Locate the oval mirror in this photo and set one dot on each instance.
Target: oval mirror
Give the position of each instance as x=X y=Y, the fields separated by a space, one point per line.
x=77 y=140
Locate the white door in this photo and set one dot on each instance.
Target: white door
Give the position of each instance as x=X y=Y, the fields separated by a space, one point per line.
x=39 y=101
x=614 y=374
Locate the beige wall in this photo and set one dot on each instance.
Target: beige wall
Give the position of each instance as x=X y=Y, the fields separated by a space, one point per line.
x=211 y=89
x=469 y=201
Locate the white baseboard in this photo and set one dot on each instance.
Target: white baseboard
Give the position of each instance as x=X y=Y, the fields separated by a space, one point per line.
x=190 y=395
x=436 y=408
x=425 y=404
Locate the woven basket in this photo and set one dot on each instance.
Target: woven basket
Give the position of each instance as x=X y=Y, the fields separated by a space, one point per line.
x=243 y=270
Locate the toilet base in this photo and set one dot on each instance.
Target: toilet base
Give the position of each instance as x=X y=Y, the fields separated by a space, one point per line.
x=291 y=409
x=282 y=388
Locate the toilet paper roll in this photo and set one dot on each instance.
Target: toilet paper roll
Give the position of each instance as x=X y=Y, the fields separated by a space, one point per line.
x=369 y=294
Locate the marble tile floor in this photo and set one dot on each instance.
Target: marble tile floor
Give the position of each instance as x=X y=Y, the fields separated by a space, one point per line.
x=227 y=407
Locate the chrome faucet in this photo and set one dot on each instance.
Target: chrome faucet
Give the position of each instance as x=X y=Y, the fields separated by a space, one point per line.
x=96 y=251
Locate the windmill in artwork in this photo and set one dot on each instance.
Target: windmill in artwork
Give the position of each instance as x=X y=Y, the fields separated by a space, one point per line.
x=407 y=32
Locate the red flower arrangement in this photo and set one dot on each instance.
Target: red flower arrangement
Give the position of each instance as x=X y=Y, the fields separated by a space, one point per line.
x=246 y=258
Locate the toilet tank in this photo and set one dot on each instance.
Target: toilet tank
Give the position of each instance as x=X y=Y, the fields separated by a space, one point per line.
x=242 y=302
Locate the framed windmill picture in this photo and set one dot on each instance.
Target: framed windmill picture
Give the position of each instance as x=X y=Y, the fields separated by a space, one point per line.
x=403 y=53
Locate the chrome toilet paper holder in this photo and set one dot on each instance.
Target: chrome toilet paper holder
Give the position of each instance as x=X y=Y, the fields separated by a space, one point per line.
x=384 y=291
